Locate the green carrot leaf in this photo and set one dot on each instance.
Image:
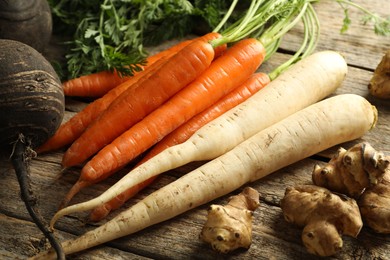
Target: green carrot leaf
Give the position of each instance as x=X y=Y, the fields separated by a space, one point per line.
x=99 y=34
x=346 y=22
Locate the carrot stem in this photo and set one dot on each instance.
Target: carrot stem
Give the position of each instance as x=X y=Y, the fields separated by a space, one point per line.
x=226 y=17
x=311 y=36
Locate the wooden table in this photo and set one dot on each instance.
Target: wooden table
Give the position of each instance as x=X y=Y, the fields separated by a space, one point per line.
x=177 y=238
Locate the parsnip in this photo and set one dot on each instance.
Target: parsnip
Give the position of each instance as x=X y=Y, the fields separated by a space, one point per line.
x=306 y=82
x=320 y=126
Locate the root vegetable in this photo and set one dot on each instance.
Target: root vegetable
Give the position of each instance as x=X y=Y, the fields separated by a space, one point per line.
x=351 y=171
x=324 y=216
x=73 y=129
x=379 y=85
x=256 y=82
x=75 y=126
x=298 y=136
x=100 y=83
x=224 y=74
x=135 y=103
x=363 y=173
x=230 y=227
x=119 y=152
x=374 y=205
x=29 y=22
x=311 y=79
x=31 y=109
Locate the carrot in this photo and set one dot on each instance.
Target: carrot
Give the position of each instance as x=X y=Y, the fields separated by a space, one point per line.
x=311 y=33
x=182 y=133
x=136 y=102
x=238 y=95
x=75 y=126
x=303 y=84
x=225 y=73
x=71 y=130
x=313 y=129
x=237 y=31
x=100 y=212
x=98 y=84
x=93 y=85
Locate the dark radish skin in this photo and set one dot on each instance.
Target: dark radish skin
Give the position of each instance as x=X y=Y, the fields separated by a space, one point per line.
x=31 y=109
x=31 y=95
x=29 y=22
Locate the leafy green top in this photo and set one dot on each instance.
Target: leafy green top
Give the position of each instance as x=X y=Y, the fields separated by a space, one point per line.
x=381 y=24
x=111 y=34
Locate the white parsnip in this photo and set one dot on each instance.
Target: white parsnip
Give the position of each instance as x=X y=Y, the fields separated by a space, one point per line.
x=320 y=126
x=305 y=83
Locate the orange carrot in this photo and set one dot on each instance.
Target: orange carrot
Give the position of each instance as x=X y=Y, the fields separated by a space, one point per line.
x=137 y=102
x=98 y=84
x=226 y=73
x=256 y=82
x=238 y=95
x=93 y=85
x=71 y=130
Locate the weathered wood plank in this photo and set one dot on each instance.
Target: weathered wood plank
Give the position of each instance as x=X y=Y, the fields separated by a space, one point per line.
x=359 y=45
x=16 y=230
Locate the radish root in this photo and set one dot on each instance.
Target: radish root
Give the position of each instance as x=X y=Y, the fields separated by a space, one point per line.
x=20 y=156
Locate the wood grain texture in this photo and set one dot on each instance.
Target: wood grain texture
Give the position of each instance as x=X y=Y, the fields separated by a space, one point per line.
x=177 y=238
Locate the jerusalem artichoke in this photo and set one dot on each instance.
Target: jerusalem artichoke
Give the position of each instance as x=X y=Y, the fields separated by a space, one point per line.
x=351 y=171
x=374 y=205
x=230 y=227
x=363 y=173
x=324 y=215
x=379 y=85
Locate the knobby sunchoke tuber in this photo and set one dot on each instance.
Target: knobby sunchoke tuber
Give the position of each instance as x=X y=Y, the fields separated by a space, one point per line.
x=363 y=173
x=230 y=227
x=379 y=85
x=324 y=215
x=351 y=171
x=374 y=205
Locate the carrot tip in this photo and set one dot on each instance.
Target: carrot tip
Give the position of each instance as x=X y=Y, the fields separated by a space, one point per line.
x=72 y=192
x=99 y=213
x=64 y=170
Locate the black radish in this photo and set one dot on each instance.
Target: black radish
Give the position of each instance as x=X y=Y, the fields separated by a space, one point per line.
x=29 y=22
x=31 y=109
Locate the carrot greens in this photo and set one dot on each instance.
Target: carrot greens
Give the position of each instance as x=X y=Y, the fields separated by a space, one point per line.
x=108 y=35
x=381 y=24
x=112 y=35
